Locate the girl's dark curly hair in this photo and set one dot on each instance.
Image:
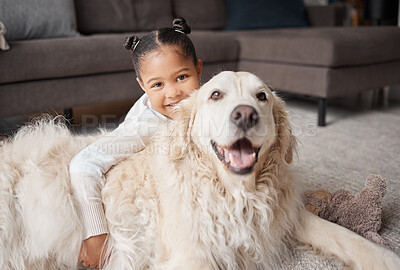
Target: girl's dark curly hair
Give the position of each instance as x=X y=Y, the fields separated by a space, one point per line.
x=174 y=36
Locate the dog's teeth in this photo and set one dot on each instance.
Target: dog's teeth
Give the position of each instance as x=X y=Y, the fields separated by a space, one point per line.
x=231 y=159
x=253 y=155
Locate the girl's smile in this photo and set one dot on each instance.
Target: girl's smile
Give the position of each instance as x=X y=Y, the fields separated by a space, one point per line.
x=168 y=77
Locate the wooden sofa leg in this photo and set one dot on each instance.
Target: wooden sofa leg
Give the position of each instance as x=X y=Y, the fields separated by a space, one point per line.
x=68 y=116
x=321 y=111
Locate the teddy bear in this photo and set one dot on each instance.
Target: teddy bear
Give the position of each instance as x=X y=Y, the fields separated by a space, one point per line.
x=360 y=213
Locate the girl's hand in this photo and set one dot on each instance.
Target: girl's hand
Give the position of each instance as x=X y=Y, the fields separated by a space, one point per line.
x=93 y=251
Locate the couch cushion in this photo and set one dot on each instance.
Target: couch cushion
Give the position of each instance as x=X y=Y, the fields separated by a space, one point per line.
x=95 y=54
x=63 y=57
x=201 y=15
x=212 y=47
x=259 y=14
x=31 y=19
x=107 y=16
x=330 y=47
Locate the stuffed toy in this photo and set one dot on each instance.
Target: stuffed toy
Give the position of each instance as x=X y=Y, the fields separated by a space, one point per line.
x=360 y=213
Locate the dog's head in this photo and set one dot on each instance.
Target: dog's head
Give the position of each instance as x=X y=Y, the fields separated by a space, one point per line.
x=236 y=120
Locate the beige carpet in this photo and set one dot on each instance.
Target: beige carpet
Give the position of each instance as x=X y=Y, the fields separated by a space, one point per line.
x=354 y=144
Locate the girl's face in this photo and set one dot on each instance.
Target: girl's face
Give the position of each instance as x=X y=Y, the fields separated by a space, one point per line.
x=168 y=77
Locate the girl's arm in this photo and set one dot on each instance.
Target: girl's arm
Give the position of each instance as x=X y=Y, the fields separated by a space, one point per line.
x=87 y=171
x=88 y=167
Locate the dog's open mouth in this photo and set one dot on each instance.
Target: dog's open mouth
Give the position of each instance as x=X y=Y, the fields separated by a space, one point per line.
x=240 y=157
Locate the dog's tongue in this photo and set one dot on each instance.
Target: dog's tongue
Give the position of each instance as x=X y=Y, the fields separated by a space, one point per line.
x=240 y=155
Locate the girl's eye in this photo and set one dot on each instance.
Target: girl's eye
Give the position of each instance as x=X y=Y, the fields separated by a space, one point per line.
x=181 y=78
x=216 y=95
x=262 y=96
x=156 y=85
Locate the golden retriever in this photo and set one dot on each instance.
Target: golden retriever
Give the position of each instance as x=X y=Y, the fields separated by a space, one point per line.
x=212 y=191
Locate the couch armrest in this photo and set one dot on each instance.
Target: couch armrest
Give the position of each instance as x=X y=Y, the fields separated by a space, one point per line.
x=330 y=15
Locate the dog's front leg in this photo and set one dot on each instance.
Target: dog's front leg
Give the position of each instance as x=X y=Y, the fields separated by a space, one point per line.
x=353 y=250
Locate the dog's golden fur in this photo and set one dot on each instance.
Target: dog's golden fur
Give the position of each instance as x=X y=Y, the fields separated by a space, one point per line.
x=175 y=205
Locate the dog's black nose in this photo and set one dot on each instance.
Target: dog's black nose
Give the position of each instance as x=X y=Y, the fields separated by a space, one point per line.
x=244 y=116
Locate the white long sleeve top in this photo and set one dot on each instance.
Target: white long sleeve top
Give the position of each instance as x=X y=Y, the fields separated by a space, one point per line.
x=88 y=167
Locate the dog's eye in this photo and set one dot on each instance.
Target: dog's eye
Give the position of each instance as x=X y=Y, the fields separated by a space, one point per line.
x=262 y=96
x=216 y=95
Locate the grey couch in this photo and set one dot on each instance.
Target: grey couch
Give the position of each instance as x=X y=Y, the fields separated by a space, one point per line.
x=38 y=75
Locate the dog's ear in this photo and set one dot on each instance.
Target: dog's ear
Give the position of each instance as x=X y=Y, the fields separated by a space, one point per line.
x=181 y=127
x=286 y=142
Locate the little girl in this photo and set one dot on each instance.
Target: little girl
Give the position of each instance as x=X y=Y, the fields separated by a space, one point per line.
x=167 y=70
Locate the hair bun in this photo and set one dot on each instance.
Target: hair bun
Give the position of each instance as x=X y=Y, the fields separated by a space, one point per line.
x=131 y=42
x=181 y=25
